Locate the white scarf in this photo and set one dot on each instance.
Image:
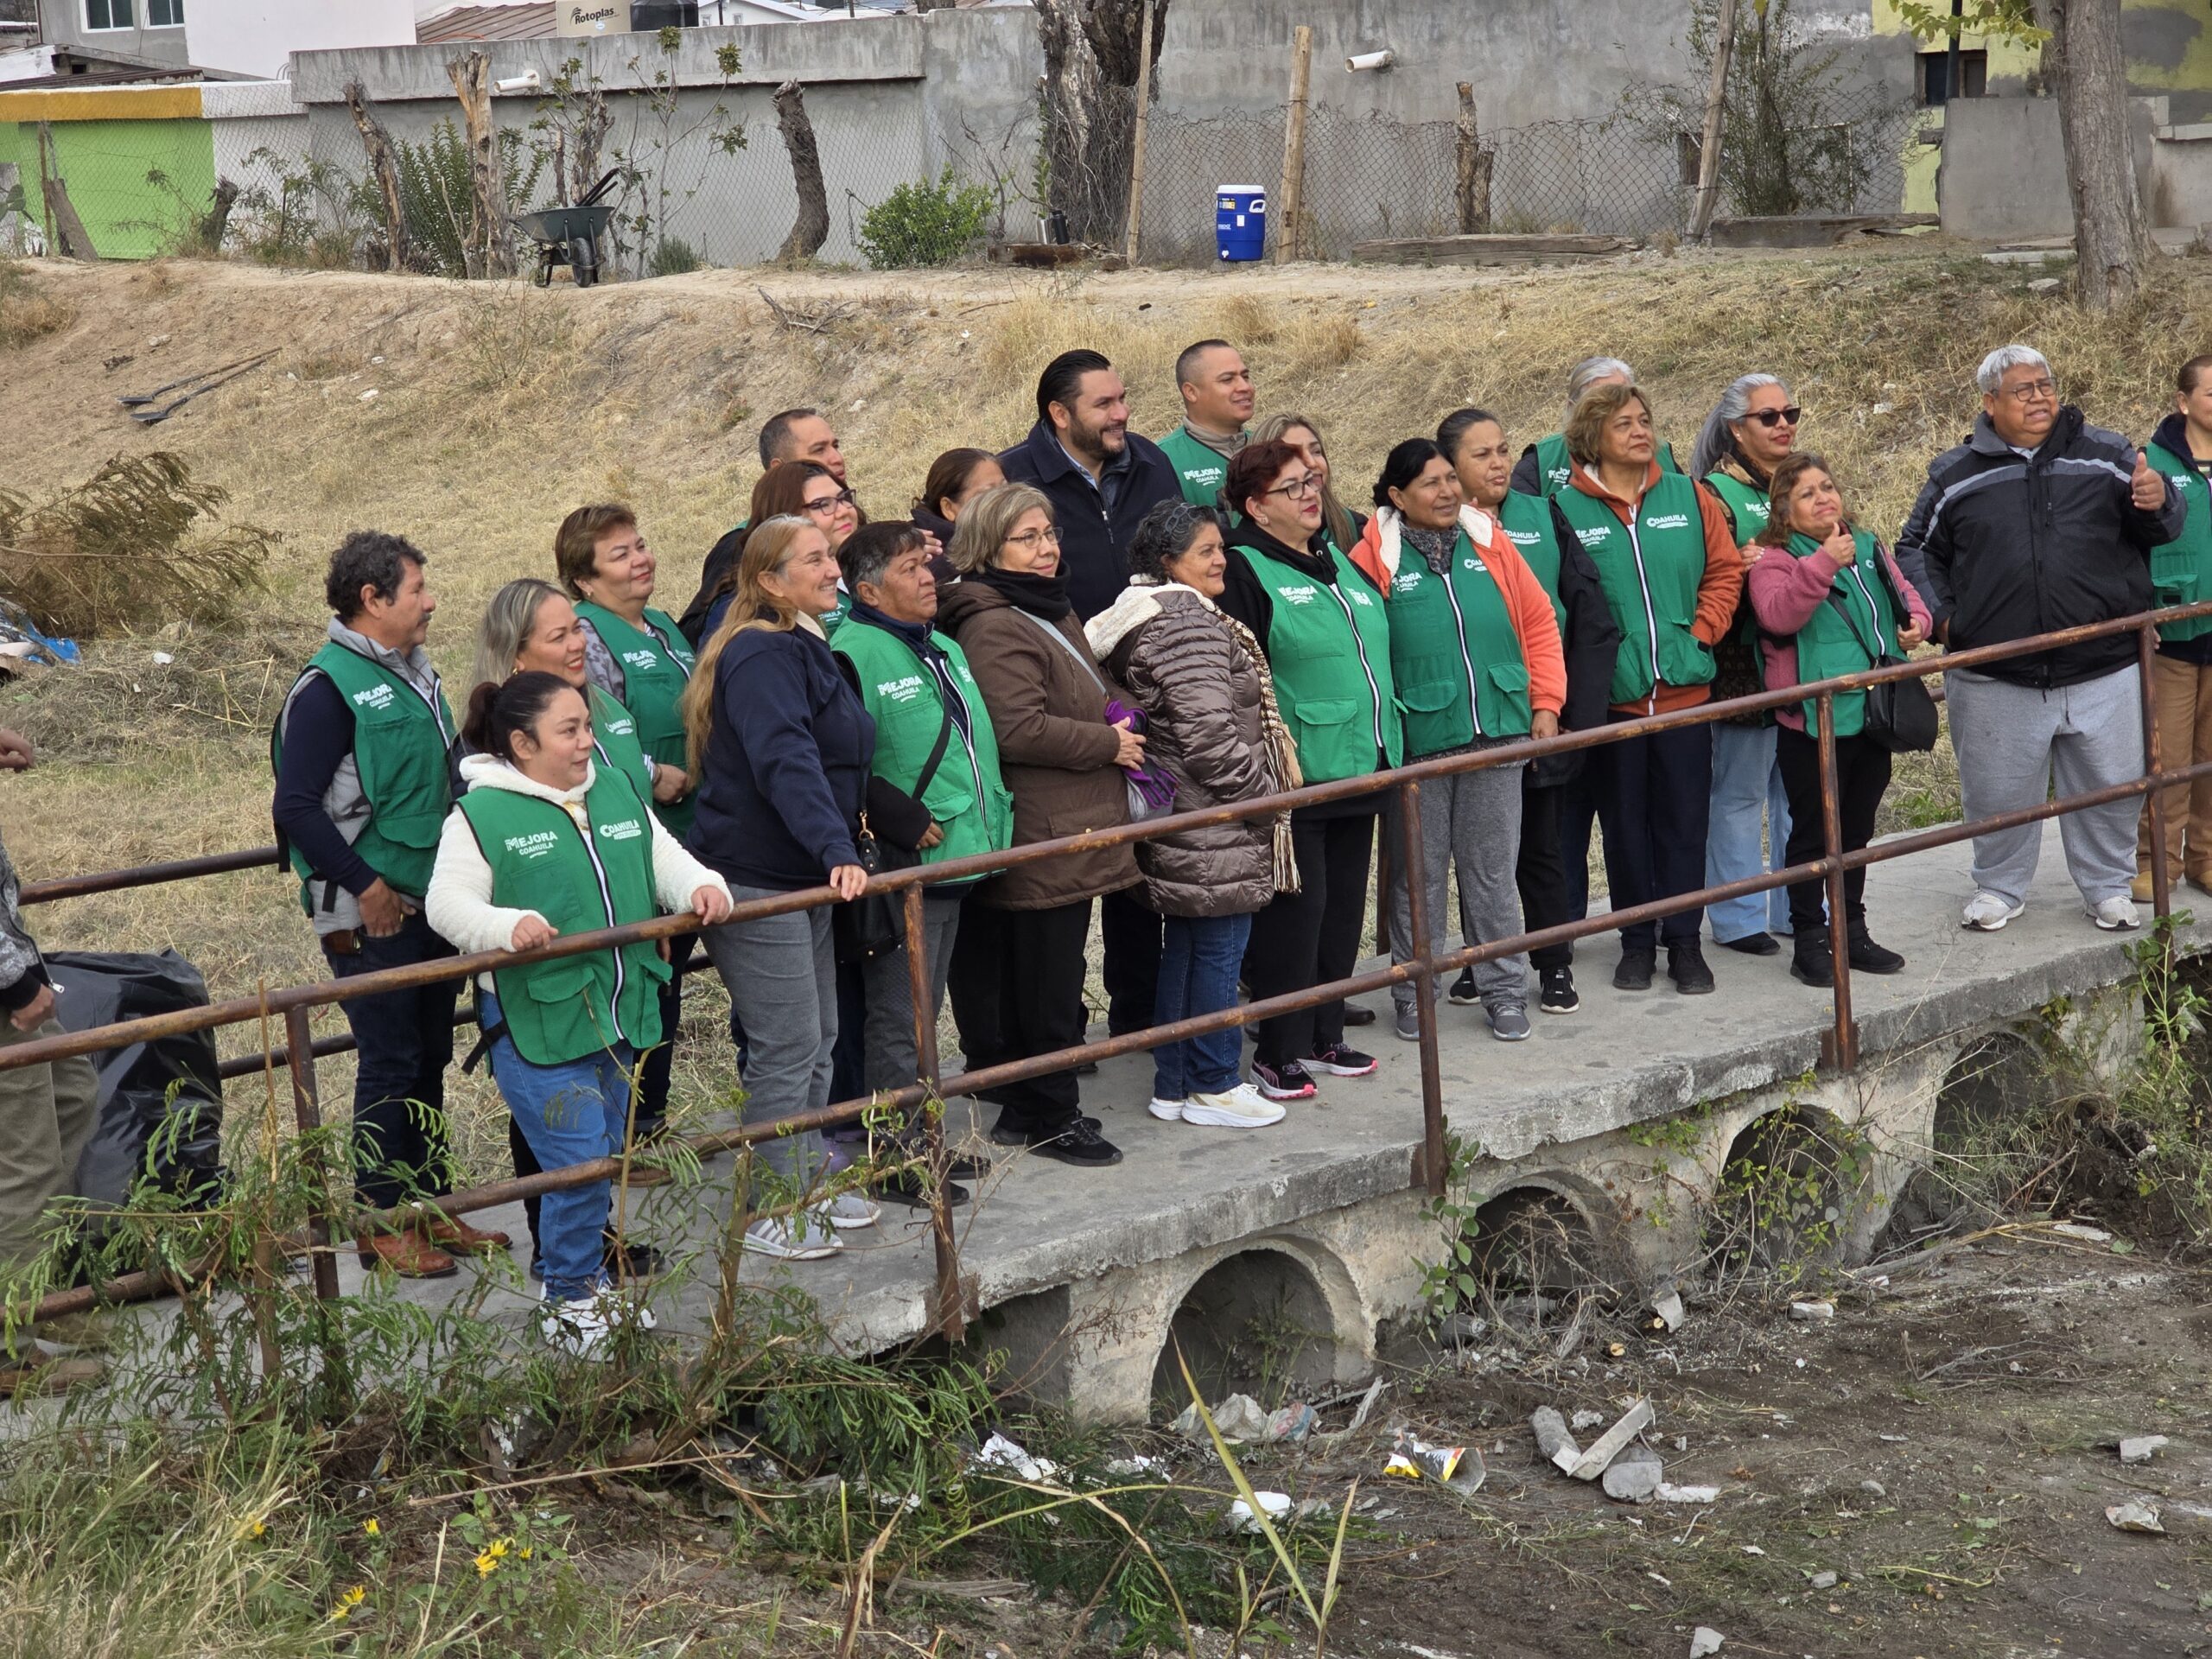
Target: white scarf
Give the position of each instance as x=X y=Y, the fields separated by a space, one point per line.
x=1389 y=538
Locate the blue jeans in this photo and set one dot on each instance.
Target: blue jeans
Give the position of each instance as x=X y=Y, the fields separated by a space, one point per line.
x=1747 y=797
x=570 y=1114
x=1198 y=960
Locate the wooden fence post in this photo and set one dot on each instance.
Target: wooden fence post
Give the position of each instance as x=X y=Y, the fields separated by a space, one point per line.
x=1290 y=200
x=63 y=224
x=1709 y=149
x=1136 y=148
x=385 y=171
x=1474 y=167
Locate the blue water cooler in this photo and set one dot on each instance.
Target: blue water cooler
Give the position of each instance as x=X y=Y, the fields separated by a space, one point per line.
x=1240 y=221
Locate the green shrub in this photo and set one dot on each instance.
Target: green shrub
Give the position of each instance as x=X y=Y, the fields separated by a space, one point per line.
x=672 y=255
x=924 y=223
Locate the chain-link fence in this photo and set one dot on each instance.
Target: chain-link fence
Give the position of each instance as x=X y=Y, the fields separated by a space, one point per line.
x=139 y=188
x=1369 y=178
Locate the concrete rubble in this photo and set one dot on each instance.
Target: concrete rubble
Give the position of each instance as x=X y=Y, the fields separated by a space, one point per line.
x=1634 y=1477
x=1705 y=1640
x=1594 y=1462
x=2137 y=1448
x=2137 y=1514
x=1552 y=1438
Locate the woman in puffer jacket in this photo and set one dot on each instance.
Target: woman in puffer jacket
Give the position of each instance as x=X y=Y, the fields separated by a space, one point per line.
x=1214 y=729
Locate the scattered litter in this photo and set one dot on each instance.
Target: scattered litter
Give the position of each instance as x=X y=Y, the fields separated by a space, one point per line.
x=1142 y=1463
x=1275 y=1505
x=1634 y=1477
x=2087 y=1234
x=19 y=639
x=1705 y=1640
x=1669 y=1493
x=379 y=358
x=1821 y=1310
x=1750 y=1549
x=2139 y=1448
x=1293 y=1423
x=1000 y=1453
x=2044 y=285
x=2135 y=1516
x=1894 y=1439
x=1367 y=1404
x=1463 y=1328
x=1681 y=1442
x=1416 y=1459
x=1583 y=1420
x=1238 y=1418
x=1874 y=1489
x=153 y=340
x=1552 y=1438
x=1595 y=1461
x=370 y=395
x=163 y=660
x=1668 y=1308
x=1822 y=1580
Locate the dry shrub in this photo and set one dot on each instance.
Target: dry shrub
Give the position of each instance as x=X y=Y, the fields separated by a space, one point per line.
x=1324 y=342
x=126 y=549
x=1248 y=320
x=28 y=312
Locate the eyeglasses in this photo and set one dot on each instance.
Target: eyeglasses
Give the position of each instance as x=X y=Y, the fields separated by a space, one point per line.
x=2032 y=392
x=1772 y=417
x=1309 y=485
x=829 y=503
x=1030 y=540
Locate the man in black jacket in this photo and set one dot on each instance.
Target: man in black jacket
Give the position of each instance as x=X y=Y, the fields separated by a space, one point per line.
x=1101 y=478
x=2040 y=521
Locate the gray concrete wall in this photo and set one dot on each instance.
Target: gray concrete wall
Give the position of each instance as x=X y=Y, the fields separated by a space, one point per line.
x=2003 y=172
x=61 y=22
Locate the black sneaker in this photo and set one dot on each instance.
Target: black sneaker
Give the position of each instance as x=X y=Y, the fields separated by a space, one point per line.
x=907 y=1187
x=1340 y=1061
x=1685 y=967
x=1006 y=1132
x=1761 y=944
x=1463 y=988
x=1558 y=995
x=632 y=1263
x=1868 y=957
x=1079 y=1144
x=1634 y=973
x=1811 y=962
x=1289 y=1081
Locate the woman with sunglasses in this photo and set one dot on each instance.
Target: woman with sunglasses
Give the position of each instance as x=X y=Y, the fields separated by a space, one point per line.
x=796 y=489
x=1320 y=619
x=1751 y=431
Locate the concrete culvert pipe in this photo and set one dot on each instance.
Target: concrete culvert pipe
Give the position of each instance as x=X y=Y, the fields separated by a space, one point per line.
x=1793 y=1186
x=1537 y=1240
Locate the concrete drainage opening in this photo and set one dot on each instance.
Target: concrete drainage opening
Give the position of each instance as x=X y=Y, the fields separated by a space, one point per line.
x=1789 y=1191
x=1531 y=1241
x=1255 y=1323
x=1990 y=1137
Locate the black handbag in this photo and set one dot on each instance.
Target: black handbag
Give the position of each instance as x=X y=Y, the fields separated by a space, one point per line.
x=1900 y=714
x=876 y=922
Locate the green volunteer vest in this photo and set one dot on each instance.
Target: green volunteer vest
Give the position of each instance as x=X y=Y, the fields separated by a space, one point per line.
x=834 y=618
x=564 y=1010
x=2181 y=570
x=966 y=795
x=401 y=745
x=1454 y=653
x=615 y=740
x=654 y=674
x=1829 y=644
x=1200 y=468
x=1554 y=465
x=1527 y=523
x=1651 y=572
x=1329 y=648
x=1747 y=508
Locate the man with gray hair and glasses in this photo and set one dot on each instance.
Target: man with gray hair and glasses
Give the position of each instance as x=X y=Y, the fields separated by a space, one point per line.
x=2038 y=522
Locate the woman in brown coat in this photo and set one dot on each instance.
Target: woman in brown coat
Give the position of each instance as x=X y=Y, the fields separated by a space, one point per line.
x=1212 y=727
x=1018 y=966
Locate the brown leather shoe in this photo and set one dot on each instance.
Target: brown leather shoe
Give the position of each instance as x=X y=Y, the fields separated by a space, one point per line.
x=29 y=1375
x=454 y=1234
x=408 y=1254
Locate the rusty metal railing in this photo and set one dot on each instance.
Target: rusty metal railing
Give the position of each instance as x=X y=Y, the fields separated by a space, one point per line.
x=1839 y=1045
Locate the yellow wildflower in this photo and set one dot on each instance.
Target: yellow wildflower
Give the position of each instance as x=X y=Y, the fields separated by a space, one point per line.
x=348 y=1600
x=494 y=1553
x=370 y=1526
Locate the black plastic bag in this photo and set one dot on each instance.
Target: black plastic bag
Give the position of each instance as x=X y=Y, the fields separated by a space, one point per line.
x=161 y=1103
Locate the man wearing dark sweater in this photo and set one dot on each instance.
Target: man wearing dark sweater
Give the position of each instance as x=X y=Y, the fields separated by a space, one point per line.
x=364 y=753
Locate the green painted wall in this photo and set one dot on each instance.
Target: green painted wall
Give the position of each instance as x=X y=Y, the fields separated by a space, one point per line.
x=105 y=164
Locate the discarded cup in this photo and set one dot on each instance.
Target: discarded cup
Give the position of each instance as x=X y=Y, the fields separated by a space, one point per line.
x=1274 y=1505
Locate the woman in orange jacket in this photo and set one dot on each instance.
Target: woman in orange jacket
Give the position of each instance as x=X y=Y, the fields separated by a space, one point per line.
x=1475 y=656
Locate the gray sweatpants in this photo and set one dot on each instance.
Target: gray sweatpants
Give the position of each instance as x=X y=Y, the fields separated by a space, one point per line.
x=2014 y=742
x=781 y=974
x=1472 y=821
x=889 y=1057
x=47 y=1114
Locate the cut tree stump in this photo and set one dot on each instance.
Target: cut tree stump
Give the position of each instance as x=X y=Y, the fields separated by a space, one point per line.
x=811 y=228
x=1493 y=248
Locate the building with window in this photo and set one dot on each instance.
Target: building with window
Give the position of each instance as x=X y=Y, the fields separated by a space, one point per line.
x=224 y=37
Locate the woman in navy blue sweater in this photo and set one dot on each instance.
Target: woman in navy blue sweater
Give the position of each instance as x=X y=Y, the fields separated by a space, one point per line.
x=781 y=749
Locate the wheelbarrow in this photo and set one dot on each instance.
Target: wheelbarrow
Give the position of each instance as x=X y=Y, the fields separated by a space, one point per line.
x=570 y=236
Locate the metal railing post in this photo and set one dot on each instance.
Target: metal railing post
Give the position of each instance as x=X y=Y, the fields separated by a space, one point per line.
x=952 y=1306
x=1843 y=1040
x=1433 y=1171
x=307 y=1107
x=2154 y=801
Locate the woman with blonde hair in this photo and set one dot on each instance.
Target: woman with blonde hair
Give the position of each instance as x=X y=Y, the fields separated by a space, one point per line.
x=782 y=748
x=1345 y=526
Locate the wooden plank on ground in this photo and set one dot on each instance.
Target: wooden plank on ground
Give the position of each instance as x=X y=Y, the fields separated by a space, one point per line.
x=1495 y=248
x=1807 y=229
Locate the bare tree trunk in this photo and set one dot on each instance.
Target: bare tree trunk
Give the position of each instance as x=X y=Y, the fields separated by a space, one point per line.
x=491 y=239
x=1708 y=149
x=217 y=222
x=1094 y=51
x=811 y=228
x=2089 y=69
x=385 y=171
x=68 y=230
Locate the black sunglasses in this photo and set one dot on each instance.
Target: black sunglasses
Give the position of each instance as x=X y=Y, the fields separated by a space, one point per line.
x=1769 y=417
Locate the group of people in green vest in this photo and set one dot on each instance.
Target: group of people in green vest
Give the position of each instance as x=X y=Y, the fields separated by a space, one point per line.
x=1089 y=629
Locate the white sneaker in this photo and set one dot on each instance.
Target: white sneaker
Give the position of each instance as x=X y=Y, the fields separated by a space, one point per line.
x=2116 y=914
x=1240 y=1108
x=775 y=1236
x=1987 y=912
x=848 y=1211
x=578 y=1327
x=1168 y=1111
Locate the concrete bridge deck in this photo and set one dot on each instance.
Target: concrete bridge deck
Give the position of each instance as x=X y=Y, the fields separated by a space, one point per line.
x=1080 y=1272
